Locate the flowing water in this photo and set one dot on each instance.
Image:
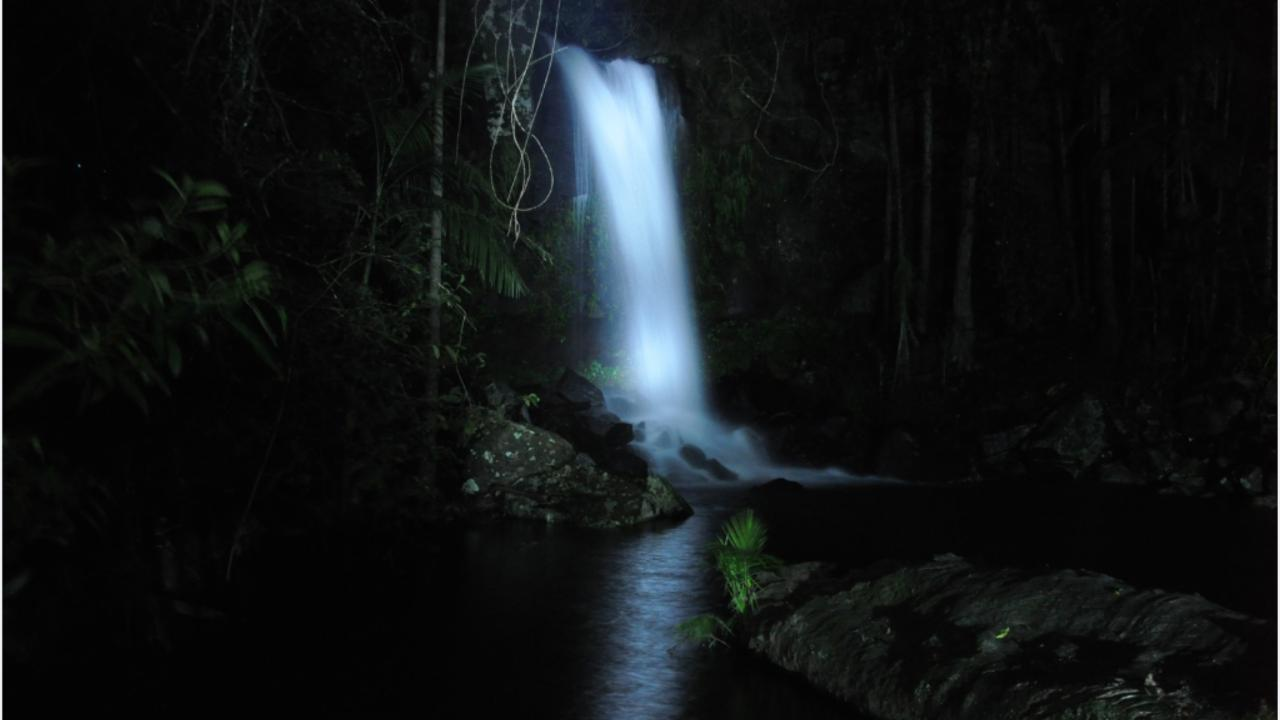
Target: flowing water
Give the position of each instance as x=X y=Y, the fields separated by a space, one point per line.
x=530 y=621
x=623 y=142
x=593 y=615
x=534 y=621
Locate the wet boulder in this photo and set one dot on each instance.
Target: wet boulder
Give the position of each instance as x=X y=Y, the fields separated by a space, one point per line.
x=1070 y=438
x=778 y=486
x=622 y=461
x=501 y=452
x=577 y=413
x=587 y=497
x=1114 y=473
x=578 y=391
x=601 y=428
x=523 y=471
x=996 y=445
x=503 y=400
x=698 y=459
x=949 y=639
x=1210 y=409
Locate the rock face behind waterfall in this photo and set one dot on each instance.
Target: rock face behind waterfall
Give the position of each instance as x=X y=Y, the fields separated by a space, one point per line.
x=949 y=640
x=522 y=471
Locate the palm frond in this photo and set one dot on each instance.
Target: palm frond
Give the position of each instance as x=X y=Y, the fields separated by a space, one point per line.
x=477 y=239
x=745 y=532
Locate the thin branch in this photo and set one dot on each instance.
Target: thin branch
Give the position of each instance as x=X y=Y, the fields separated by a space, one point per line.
x=764 y=112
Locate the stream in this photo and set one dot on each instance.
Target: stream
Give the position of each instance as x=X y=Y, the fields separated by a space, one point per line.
x=523 y=619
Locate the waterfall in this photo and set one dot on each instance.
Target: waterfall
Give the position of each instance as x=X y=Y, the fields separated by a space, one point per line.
x=621 y=124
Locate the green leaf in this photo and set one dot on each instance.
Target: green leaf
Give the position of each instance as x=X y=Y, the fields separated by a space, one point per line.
x=209 y=189
x=169 y=179
x=208 y=204
x=481 y=244
x=255 y=278
x=134 y=393
x=1003 y=633
x=706 y=630
x=262 y=321
x=18 y=336
x=175 y=359
x=152 y=227
x=160 y=284
x=259 y=348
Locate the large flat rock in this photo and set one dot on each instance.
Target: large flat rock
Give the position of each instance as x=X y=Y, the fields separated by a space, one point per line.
x=947 y=639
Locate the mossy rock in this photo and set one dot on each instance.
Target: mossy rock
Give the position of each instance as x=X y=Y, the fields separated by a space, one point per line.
x=501 y=452
x=522 y=471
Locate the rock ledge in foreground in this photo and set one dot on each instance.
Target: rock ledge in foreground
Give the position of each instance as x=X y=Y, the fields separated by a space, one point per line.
x=947 y=639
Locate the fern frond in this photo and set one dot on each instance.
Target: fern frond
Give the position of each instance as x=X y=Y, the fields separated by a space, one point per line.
x=477 y=239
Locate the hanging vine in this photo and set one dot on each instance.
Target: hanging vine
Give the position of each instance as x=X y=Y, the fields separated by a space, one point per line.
x=510 y=32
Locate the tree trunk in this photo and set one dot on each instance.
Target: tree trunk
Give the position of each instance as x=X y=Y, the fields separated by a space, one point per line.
x=1131 y=286
x=1064 y=198
x=902 y=266
x=960 y=340
x=886 y=261
x=437 y=240
x=1269 y=260
x=1106 y=281
x=926 y=213
x=1164 y=174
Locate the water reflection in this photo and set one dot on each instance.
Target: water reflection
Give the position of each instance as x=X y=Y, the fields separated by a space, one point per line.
x=593 y=616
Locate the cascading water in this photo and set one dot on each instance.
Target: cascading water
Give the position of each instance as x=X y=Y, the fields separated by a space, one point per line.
x=622 y=125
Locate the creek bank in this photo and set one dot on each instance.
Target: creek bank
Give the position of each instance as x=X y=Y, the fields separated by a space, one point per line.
x=949 y=639
x=1204 y=438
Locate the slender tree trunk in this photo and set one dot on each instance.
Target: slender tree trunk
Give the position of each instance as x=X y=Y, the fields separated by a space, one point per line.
x=1131 y=286
x=437 y=241
x=1064 y=198
x=1164 y=174
x=1106 y=282
x=926 y=213
x=1269 y=259
x=886 y=261
x=960 y=340
x=902 y=266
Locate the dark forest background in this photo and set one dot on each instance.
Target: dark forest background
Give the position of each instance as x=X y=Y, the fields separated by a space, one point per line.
x=911 y=224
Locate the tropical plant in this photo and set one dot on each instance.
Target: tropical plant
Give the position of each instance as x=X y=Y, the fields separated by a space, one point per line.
x=739 y=556
x=604 y=375
x=112 y=308
x=401 y=208
x=706 y=629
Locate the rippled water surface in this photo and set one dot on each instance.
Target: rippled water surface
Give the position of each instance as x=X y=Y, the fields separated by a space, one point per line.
x=582 y=623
